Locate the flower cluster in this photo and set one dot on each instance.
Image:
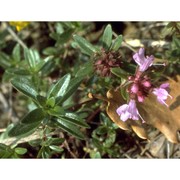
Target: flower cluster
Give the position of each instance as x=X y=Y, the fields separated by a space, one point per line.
x=140 y=87
x=105 y=61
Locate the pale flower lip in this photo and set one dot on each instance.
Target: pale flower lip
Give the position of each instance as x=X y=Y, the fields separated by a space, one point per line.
x=142 y=61
x=128 y=111
x=162 y=93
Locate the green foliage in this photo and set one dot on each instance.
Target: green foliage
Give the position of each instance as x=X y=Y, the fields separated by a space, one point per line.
x=85 y=46
x=47 y=107
x=117 y=43
x=50 y=81
x=107 y=37
x=26 y=86
x=103 y=139
x=59 y=89
x=31 y=121
x=9 y=152
x=173 y=55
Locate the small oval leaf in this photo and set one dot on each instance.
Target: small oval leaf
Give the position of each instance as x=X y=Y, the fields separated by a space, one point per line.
x=23 y=129
x=85 y=46
x=56 y=148
x=107 y=37
x=20 y=150
x=74 y=119
x=34 y=116
x=73 y=85
x=117 y=43
x=71 y=129
x=59 y=89
x=26 y=86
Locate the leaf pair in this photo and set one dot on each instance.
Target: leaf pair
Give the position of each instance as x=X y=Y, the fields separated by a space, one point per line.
x=50 y=107
x=28 y=124
x=69 y=123
x=107 y=39
x=107 y=42
x=8 y=152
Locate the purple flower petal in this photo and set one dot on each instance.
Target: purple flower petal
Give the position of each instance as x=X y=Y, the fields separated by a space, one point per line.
x=134 y=88
x=125 y=116
x=147 y=63
x=142 y=61
x=128 y=111
x=122 y=108
x=161 y=93
x=164 y=85
x=139 y=57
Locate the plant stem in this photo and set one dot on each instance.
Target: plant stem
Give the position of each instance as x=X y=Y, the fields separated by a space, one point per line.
x=125 y=44
x=14 y=35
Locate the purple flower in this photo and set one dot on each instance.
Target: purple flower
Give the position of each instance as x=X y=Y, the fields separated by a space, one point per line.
x=142 y=61
x=162 y=93
x=128 y=111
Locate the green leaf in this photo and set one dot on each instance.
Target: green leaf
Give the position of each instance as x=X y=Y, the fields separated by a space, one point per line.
x=97 y=143
x=5 y=151
x=50 y=51
x=85 y=46
x=4 y=135
x=95 y=155
x=4 y=60
x=26 y=86
x=117 y=43
x=119 y=72
x=16 y=53
x=23 y=129
x=176 y=41
x=110 y=139
x=65 y=36
x=35 y=143
x=107 y=37
x=85 y=70
x=55 y=141
x=101 y=130
x=49 y=66
x=56 y=148
x=36 y=115
x=45 y=152
x=59 y=89
x=129 y=67
x=39 y=66
x=124 y=93
x=59 y=28
x=41 y=100
x=32 y=56
x=73 y=85
x=28 y=124
x=50 y=102
x=20 y=150
x=56 y=111
x=71 y=129
x=42 y=63
x=18 y=71
x=74 y=119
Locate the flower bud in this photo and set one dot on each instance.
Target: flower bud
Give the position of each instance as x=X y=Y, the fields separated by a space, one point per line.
x=134 y=88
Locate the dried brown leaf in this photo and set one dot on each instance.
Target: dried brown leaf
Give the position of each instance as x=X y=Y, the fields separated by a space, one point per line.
x=114 y=99
x=139 y=129
x=167 y=120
